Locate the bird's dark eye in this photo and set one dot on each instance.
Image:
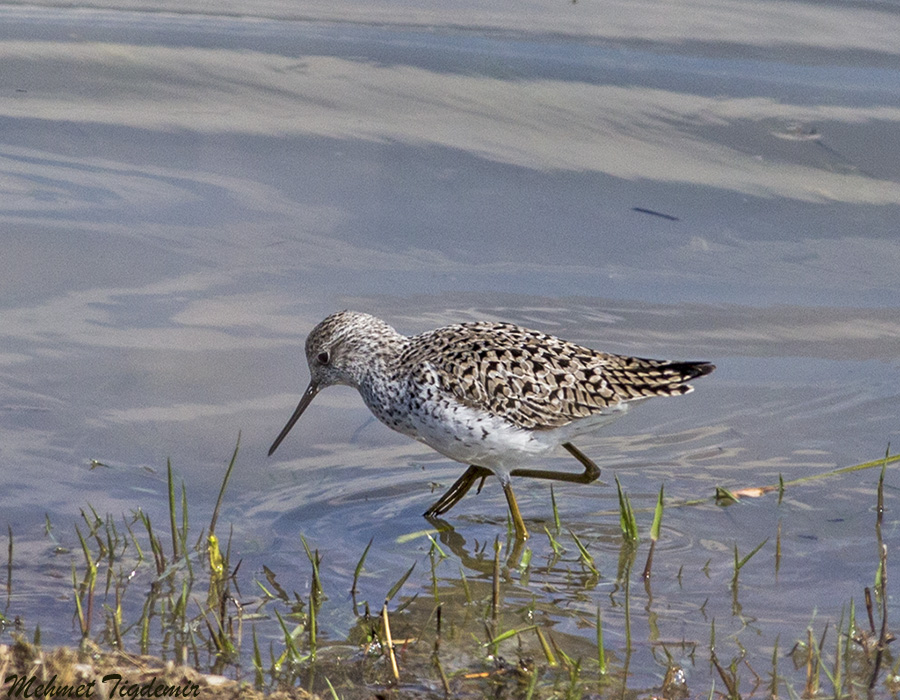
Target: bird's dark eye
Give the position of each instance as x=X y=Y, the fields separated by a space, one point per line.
x=323 y=357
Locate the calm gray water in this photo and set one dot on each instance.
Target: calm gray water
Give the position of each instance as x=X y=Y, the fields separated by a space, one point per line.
x=185 y=195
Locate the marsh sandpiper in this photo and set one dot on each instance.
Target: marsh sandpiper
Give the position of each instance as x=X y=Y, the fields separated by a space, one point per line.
x=491 y=395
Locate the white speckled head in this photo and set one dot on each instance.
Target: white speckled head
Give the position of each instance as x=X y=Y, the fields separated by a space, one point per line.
x=342 y=349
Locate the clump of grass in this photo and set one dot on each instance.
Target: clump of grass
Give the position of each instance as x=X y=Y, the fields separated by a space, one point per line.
x=113 y=558
x=194 y=610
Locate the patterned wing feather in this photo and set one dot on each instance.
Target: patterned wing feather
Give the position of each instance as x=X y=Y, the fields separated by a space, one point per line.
x=535 y=380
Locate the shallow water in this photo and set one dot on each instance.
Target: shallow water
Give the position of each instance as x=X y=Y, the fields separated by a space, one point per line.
x=186 y=195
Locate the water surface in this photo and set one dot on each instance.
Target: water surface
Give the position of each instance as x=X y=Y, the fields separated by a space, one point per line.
x=186 y=195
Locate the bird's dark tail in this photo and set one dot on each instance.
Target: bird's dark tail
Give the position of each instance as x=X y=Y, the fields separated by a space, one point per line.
x=643 y=377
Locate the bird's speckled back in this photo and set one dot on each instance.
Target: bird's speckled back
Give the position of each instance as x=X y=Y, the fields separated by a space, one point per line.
x=536 y=380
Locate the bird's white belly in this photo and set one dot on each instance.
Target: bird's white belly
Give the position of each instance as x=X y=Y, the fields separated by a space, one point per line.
x=475 y=437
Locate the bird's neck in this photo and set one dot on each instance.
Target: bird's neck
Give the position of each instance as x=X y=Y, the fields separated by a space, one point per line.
x=378 y=379
x=378 y=356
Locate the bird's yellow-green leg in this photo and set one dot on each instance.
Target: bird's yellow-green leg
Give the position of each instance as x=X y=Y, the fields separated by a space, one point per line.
x=459 y=489
x=518 y=523
x=591 y=471
x=463 y=484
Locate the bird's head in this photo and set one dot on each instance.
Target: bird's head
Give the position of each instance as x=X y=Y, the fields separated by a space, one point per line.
x=341 y=350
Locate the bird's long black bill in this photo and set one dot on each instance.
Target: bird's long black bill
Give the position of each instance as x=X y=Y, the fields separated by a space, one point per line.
x=305 y=400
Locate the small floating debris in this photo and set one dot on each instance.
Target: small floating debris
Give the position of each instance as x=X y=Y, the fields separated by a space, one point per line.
x=667 y=217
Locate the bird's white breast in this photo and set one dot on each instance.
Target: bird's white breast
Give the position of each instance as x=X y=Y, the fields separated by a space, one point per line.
x=472 y=436
x=466 y=433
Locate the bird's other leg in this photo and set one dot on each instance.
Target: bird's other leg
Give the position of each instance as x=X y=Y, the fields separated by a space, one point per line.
x=518 y=523
x=591 y=471
x=459 y=489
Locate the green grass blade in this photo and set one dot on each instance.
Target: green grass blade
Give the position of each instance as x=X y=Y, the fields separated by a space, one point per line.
x=657 y=516
x=436 y=547
x=465 y=584
x=739 y=565
x=172 y=510
x=331 y=689
x=601 y=652
x=557 y=547
x=627 y=520
x=396 y=587
x=548 y=652
x=556 y=523
x=314 y=560
x=9 y=562
x=585 y=555
x=503 y=636
x=359 y=567
x=257 y=661
x=215 y=515
x=724 y=497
